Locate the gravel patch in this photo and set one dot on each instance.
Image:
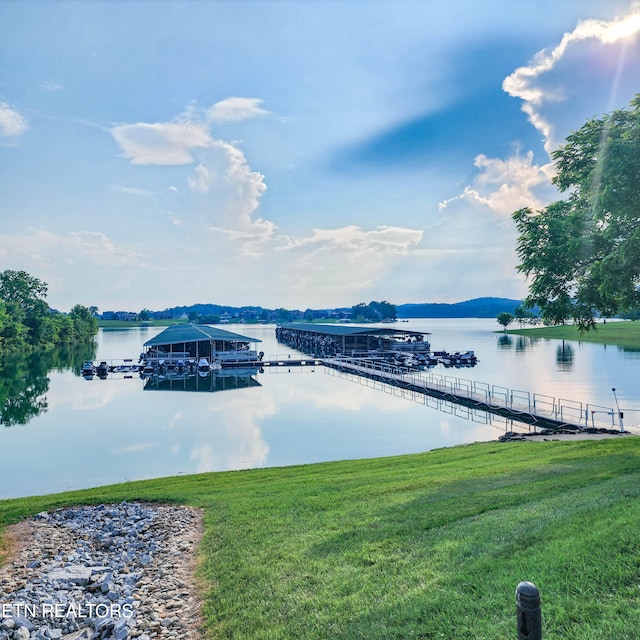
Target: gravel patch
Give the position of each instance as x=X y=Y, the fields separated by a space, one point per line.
x=103 y=572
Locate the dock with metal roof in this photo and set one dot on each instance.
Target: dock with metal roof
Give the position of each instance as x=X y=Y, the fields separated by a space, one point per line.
x=196 y=341
x=328 y=340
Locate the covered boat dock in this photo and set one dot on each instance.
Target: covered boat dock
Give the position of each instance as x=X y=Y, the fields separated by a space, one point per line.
x=196 y=341
x=328 y=340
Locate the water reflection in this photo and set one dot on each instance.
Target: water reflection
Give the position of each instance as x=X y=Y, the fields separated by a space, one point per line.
x=24 y=381
x=459 y=410
x=211 y=382
x=564 y=357
x=283 y=416
x=505 y=341
x=521 y=343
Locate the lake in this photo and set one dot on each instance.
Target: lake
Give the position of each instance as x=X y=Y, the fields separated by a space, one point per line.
x=63 y=432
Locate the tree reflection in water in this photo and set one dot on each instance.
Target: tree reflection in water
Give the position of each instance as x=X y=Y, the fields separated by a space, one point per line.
x=564 y=357
x=24 y=380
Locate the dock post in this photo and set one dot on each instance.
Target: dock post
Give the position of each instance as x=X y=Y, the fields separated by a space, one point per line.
x=528 y=612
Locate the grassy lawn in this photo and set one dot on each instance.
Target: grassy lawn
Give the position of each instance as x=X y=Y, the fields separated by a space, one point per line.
x=624 y=334
x=420 y=546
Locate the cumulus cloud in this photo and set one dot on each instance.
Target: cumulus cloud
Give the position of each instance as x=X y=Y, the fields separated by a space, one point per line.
x=504 y=186
x=232 y=191
x=522 y=82
x=221 y=174
x=236 y=109
x=202 y=179
x=12 y=123
x=163 y=143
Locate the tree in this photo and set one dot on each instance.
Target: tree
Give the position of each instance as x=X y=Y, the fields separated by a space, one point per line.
x=581 y=253
x=505 y=318
x=374 y=311
x=524 y=316
x=26 y=322
x=24 y=290
x=84 y=323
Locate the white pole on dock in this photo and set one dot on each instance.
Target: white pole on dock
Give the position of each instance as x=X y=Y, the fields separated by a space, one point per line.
x=620 y=414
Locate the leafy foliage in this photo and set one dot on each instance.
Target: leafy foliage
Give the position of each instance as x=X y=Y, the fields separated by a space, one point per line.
x=582 y=253
x=26 y=322
x=374 y=311
x=505 y=318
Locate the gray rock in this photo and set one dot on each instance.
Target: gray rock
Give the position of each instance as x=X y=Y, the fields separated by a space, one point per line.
x=21 y=633
x=76 y=574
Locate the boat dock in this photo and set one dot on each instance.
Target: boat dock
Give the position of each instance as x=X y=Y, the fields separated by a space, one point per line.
x=534 y=409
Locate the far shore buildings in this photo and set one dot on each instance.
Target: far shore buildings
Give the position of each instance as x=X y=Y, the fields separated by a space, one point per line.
x=127 y=316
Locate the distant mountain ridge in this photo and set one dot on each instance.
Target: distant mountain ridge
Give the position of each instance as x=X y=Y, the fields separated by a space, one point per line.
x=476 y=308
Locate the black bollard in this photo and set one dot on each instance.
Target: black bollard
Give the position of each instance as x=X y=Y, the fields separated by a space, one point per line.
x=529 y=615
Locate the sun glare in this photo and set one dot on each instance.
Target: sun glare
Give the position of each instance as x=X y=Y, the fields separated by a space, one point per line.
x=623 y=28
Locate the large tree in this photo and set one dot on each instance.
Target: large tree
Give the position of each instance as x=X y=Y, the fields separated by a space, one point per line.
x=582 y=254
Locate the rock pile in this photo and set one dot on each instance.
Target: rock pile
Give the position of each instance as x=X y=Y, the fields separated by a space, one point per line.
x=106 y=572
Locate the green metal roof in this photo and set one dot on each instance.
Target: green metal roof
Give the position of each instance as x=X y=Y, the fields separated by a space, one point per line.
x=349 y=330
x=181 y=333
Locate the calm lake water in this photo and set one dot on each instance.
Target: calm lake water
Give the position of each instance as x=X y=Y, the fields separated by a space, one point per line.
x=63 y=432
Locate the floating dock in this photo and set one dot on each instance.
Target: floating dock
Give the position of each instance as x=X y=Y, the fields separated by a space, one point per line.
x=534 y=409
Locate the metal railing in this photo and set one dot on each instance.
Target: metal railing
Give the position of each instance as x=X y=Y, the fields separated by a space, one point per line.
x=563 y=410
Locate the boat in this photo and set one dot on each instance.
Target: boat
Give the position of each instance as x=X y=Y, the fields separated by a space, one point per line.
x=102 y=369
x=235 y=356
x=88 y=368
x=204 y=366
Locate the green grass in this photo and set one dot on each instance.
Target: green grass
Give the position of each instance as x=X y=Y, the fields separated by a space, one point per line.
x=624 y=334
x=420 y=546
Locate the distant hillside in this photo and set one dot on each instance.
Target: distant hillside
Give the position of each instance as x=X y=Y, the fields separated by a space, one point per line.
x=477 y=308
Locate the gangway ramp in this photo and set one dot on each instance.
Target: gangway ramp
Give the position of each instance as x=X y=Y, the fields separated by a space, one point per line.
x=530 y=408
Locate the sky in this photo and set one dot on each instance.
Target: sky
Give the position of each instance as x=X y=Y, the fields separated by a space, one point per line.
x=307 y=153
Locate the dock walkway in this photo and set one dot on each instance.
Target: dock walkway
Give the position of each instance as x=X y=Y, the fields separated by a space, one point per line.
x=530 y=408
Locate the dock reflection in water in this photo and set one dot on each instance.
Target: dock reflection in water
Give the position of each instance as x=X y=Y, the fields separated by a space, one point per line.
x=224 y=380
x=499 y=422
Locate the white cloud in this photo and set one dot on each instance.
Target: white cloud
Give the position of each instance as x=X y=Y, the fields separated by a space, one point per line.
x=233 y=192
x=222 y=174
x=164 y=143
x=131 y=190
x=79 y=266
x=522 y=82
x=340 y=264
x=42 y=247
x=386 y=239
x=98 y=246
x=12 y=123
x=505 y=185
x=202 y=179
x=235 y=110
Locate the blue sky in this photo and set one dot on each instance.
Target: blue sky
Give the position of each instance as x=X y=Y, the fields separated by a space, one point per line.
x=297 y=154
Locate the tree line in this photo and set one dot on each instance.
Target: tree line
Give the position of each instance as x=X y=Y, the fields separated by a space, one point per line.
x=27 y=322
x=374 y=311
